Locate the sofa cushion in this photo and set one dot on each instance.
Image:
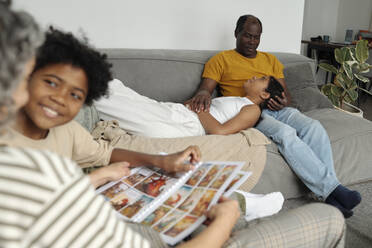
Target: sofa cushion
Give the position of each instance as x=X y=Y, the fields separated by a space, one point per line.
x=163 y=75
x=351 y=139
x=309 y=98
x=87 y=117
x=299 y=76
x=305 y=94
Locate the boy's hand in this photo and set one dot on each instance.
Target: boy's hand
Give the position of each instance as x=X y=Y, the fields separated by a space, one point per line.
x=112 y=172
x=181 y=161
x=226 y=211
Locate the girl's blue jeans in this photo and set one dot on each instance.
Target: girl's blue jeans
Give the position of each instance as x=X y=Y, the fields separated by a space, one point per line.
x=305 y=145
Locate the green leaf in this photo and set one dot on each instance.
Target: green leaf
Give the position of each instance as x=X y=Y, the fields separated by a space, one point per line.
x=328 y=67
x=344 y=81
x=355 y=86
x=352 y=53
x=348 y=99
x=361 y=51
x=326 y=89
x=353 y=94
x=336 y=90
x=334 y=100
x=340 y=80
x=364 y=68
x=362 y=78
x=348 y=70
x=341 y=54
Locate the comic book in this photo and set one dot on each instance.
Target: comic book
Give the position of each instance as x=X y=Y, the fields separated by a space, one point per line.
x=172 y=205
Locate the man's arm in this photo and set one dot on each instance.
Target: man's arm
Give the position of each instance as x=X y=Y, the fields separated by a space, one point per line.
x=201 y=101
x=280 y=103
x=247 y=117
x=180 y=161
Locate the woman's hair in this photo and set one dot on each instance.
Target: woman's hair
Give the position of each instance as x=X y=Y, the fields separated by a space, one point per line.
x=19 y=38
x=275 y=89
x=64 y=48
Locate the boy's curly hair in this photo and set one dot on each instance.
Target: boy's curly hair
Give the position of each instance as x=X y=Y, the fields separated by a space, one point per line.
x=64 y=48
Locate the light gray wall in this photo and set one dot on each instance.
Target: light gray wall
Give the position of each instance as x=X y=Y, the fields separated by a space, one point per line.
x=333 y=17
x=320 y=18
x=355 y=15
x=172 y=24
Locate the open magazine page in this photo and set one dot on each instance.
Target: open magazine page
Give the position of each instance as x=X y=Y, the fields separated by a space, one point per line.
x=134 y=195
x=173 y=207
x=238 y=180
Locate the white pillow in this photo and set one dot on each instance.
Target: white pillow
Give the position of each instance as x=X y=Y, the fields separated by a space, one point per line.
x=143 y=116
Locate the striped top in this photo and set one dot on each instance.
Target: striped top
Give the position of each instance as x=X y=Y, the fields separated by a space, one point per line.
x=46 y=201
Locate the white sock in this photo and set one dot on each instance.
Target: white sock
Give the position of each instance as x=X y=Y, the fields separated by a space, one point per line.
x=259 y=205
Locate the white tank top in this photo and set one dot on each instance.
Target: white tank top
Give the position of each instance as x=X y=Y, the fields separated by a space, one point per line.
x=226 y=107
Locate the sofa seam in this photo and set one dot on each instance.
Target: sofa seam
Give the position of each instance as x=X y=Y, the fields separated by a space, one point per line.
x=153 y=59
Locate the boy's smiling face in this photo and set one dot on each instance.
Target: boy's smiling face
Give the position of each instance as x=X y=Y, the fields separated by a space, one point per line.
x=57 y=93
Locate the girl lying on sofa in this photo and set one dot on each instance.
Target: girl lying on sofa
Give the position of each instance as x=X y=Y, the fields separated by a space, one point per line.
x=141 y=115
x=66 y=75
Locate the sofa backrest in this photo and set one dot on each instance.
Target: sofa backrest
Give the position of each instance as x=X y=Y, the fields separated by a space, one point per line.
x=174 y=75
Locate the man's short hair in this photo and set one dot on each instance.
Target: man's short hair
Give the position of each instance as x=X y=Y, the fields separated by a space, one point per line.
x=240 y=23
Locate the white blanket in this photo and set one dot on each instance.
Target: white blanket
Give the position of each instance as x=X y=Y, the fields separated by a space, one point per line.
x=143 y=116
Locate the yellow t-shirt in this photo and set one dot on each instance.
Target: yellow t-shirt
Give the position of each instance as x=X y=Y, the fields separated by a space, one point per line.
x=231 y=69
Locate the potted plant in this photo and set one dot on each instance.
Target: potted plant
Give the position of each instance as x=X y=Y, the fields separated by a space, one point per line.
x=343 y=91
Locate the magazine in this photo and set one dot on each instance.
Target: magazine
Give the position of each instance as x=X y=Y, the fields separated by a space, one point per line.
x=173 y=205
x=238 y=180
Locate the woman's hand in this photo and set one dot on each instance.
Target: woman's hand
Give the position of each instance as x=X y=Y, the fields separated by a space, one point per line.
x=181 y=161
x=221 y=219
x=226 y=210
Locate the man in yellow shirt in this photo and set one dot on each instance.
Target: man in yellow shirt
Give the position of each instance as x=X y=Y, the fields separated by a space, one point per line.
x=302 y=141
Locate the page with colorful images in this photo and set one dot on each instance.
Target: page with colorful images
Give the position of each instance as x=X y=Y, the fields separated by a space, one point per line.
x=183 y=211
x=238 y=180
x=137 y=195
x=173 y=207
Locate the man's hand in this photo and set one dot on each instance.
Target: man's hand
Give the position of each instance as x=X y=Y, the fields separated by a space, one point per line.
x=200 y=102
x=181 y=161
x=278 y=103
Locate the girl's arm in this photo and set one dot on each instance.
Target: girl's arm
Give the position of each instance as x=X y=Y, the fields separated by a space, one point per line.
x=247 y=117
x=109 y=173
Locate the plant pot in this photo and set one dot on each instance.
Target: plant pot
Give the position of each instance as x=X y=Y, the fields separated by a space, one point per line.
x=351 y=109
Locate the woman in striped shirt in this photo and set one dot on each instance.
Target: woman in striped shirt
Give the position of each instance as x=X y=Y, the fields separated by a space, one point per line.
x=46 y=201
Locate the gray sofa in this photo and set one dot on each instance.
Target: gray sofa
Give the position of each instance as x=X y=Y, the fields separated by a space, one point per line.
x=174 y=75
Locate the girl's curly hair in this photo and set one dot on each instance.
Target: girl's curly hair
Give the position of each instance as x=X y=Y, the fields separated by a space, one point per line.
x=275 y=89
